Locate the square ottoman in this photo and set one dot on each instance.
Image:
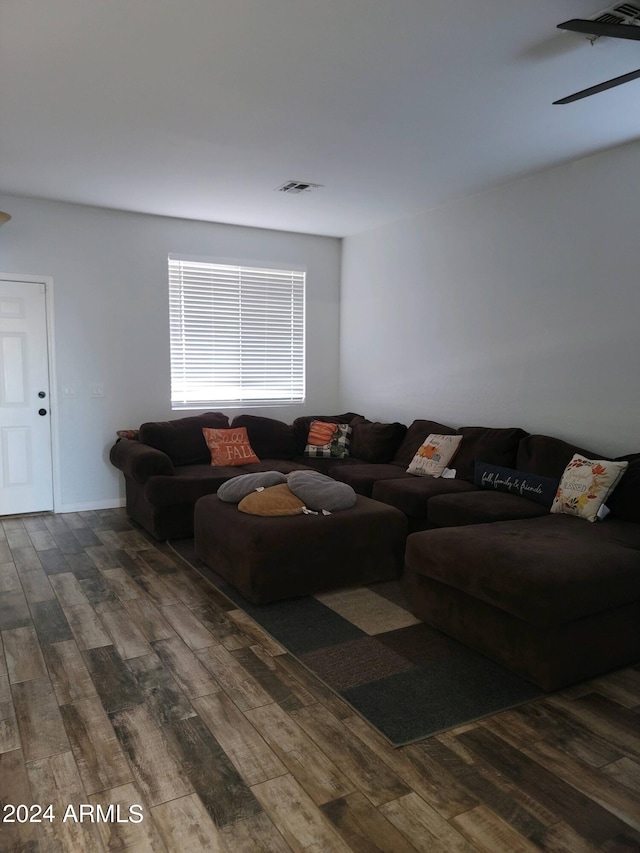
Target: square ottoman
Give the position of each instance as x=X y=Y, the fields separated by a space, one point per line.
x=273 y=558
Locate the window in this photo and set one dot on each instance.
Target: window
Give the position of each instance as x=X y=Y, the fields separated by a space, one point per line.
x=237 y=334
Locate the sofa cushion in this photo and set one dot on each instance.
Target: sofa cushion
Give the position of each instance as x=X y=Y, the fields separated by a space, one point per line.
x=190 y=482
x=546 y=455
x=411 y=494
x=624 y=502
x=434 y=455
x=300 y=426
x=229 y=446
x=546 y=571
x=187 y=484
x=414 y=436
x=531 y=486
x=585 y=486
x=480 y=507
x=269 y=437
x=375 y=442
x=182 y=439
x=284 y=466
x=363 y=477
x=499 y=446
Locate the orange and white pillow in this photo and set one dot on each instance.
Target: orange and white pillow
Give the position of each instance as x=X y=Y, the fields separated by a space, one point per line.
x=229 y=446
x=434 y=455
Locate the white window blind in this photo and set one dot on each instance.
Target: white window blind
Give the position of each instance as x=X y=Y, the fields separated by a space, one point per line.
x=237 y=334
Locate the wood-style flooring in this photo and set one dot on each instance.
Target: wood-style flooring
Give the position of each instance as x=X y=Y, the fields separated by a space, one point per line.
x=126 y=679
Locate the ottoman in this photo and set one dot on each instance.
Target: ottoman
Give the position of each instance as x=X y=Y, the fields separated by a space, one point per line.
x=273 y=558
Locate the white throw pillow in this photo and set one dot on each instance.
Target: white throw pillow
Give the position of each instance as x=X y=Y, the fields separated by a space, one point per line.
x=585 y=486
x=434 y=455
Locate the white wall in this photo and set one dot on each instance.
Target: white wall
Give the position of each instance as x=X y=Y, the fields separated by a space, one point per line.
x=518 y=306
x=111 y=320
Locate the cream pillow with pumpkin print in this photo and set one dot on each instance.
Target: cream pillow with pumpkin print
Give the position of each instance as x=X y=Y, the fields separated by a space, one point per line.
x=434 y=455
x=585 y=486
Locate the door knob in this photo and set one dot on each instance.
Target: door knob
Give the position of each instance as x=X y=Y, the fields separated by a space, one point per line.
x=42 y=411
x=41 y=394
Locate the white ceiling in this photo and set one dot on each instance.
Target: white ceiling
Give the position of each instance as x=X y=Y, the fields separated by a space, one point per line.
x=201 y=108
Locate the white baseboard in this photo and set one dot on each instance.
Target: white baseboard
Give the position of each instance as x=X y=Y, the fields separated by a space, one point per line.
x=113 y=503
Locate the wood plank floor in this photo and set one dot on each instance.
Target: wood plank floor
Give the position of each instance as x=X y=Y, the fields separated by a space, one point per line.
x=129 y=686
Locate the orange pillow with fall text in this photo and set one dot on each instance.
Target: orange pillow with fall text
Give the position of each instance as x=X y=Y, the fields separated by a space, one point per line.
x=229 y=446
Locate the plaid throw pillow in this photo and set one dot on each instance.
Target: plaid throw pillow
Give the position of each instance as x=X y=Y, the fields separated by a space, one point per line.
x=338 y=444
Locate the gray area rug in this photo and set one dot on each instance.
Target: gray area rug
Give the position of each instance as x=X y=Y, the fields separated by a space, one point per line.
x=407 y=679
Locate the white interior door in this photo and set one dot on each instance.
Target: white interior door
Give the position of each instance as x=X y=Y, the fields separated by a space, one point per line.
x=26 y=478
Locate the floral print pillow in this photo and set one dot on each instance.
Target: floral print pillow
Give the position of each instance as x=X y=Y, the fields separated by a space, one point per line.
x=585 y=486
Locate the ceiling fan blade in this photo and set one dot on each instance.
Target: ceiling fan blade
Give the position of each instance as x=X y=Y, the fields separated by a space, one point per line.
x=601 y=87
x=600 y=28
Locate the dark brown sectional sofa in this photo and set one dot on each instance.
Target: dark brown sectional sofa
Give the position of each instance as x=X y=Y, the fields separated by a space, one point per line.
x=168 y=468
x=553 y=597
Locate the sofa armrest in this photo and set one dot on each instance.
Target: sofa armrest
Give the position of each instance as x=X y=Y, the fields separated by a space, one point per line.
x=139 y=460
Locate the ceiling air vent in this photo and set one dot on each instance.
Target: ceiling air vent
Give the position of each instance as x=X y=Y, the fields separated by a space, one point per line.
x=295 y=187
x=620 y=13
x=608 y=18
x=628 y=10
